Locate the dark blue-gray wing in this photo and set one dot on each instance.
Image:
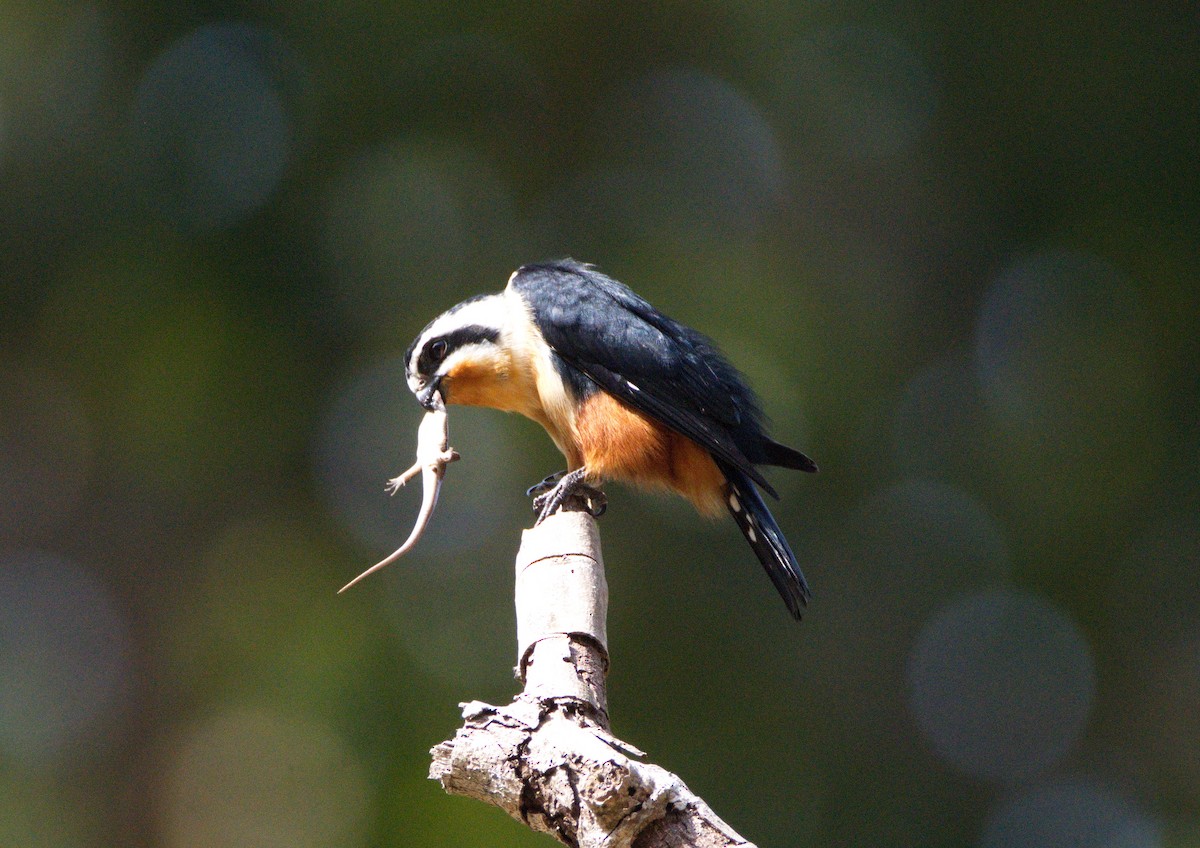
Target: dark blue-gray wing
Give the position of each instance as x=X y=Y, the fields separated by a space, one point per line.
x=655 y=364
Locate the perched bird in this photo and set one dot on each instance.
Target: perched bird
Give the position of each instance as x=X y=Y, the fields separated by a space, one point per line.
x=625 y=392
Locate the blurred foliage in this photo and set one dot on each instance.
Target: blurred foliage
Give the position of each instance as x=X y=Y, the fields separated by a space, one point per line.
x=953 y=246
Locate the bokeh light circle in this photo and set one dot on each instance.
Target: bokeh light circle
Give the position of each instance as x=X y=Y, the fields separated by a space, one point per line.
x=1070 y=814
x=392 y=220
x=904 y=551
x=254 y=778
x=1068 y=364
x=402 y=223
x=36 y=812
x=64 y=659
x=1001 y=683
x=1050 y=325
x=858 y=91
x=915 y=541
x=680 y=148
x=212 y=134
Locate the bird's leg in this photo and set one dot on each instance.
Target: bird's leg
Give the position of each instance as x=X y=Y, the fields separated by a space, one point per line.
x=570 y=486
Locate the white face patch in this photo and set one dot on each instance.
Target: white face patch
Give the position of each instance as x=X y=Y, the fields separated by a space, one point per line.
x=484 y=312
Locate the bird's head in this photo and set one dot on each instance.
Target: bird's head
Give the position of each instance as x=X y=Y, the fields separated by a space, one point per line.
x=459 y=355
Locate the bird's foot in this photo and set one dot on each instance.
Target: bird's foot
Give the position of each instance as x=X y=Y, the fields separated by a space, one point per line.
x=567 y=490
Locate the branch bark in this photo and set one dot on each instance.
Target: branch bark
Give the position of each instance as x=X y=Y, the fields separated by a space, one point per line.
x=548 y=758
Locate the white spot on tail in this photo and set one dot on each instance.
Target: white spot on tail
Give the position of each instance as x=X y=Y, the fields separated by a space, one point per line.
x=750 y=534
x=734 y=503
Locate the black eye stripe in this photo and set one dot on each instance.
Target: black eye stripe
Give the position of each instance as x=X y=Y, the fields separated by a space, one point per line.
x=438 y=348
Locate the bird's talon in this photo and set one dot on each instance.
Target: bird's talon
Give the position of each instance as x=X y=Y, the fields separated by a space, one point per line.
x=569 y=491
x=596 y=502
x=546 y=485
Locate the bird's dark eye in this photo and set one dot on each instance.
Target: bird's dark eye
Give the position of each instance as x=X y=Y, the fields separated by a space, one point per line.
x=437 y=350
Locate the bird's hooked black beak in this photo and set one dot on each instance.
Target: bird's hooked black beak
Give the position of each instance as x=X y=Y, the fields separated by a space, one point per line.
x=430 y=396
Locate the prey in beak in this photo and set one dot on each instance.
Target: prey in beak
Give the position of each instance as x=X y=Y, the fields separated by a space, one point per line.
x=430 y=395
x=433 y=455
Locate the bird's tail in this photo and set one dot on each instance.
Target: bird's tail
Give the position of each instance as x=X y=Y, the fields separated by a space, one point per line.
x=765 y=538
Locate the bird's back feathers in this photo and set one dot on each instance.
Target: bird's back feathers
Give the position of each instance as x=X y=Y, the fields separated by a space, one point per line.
x=610 y=339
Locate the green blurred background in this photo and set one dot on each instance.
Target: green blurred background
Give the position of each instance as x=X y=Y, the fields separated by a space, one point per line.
x=954 y=247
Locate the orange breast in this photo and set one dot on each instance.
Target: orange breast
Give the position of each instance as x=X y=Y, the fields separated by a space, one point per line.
x=618 y=442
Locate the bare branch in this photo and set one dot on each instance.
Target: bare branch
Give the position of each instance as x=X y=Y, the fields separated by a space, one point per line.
x=548 y=758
